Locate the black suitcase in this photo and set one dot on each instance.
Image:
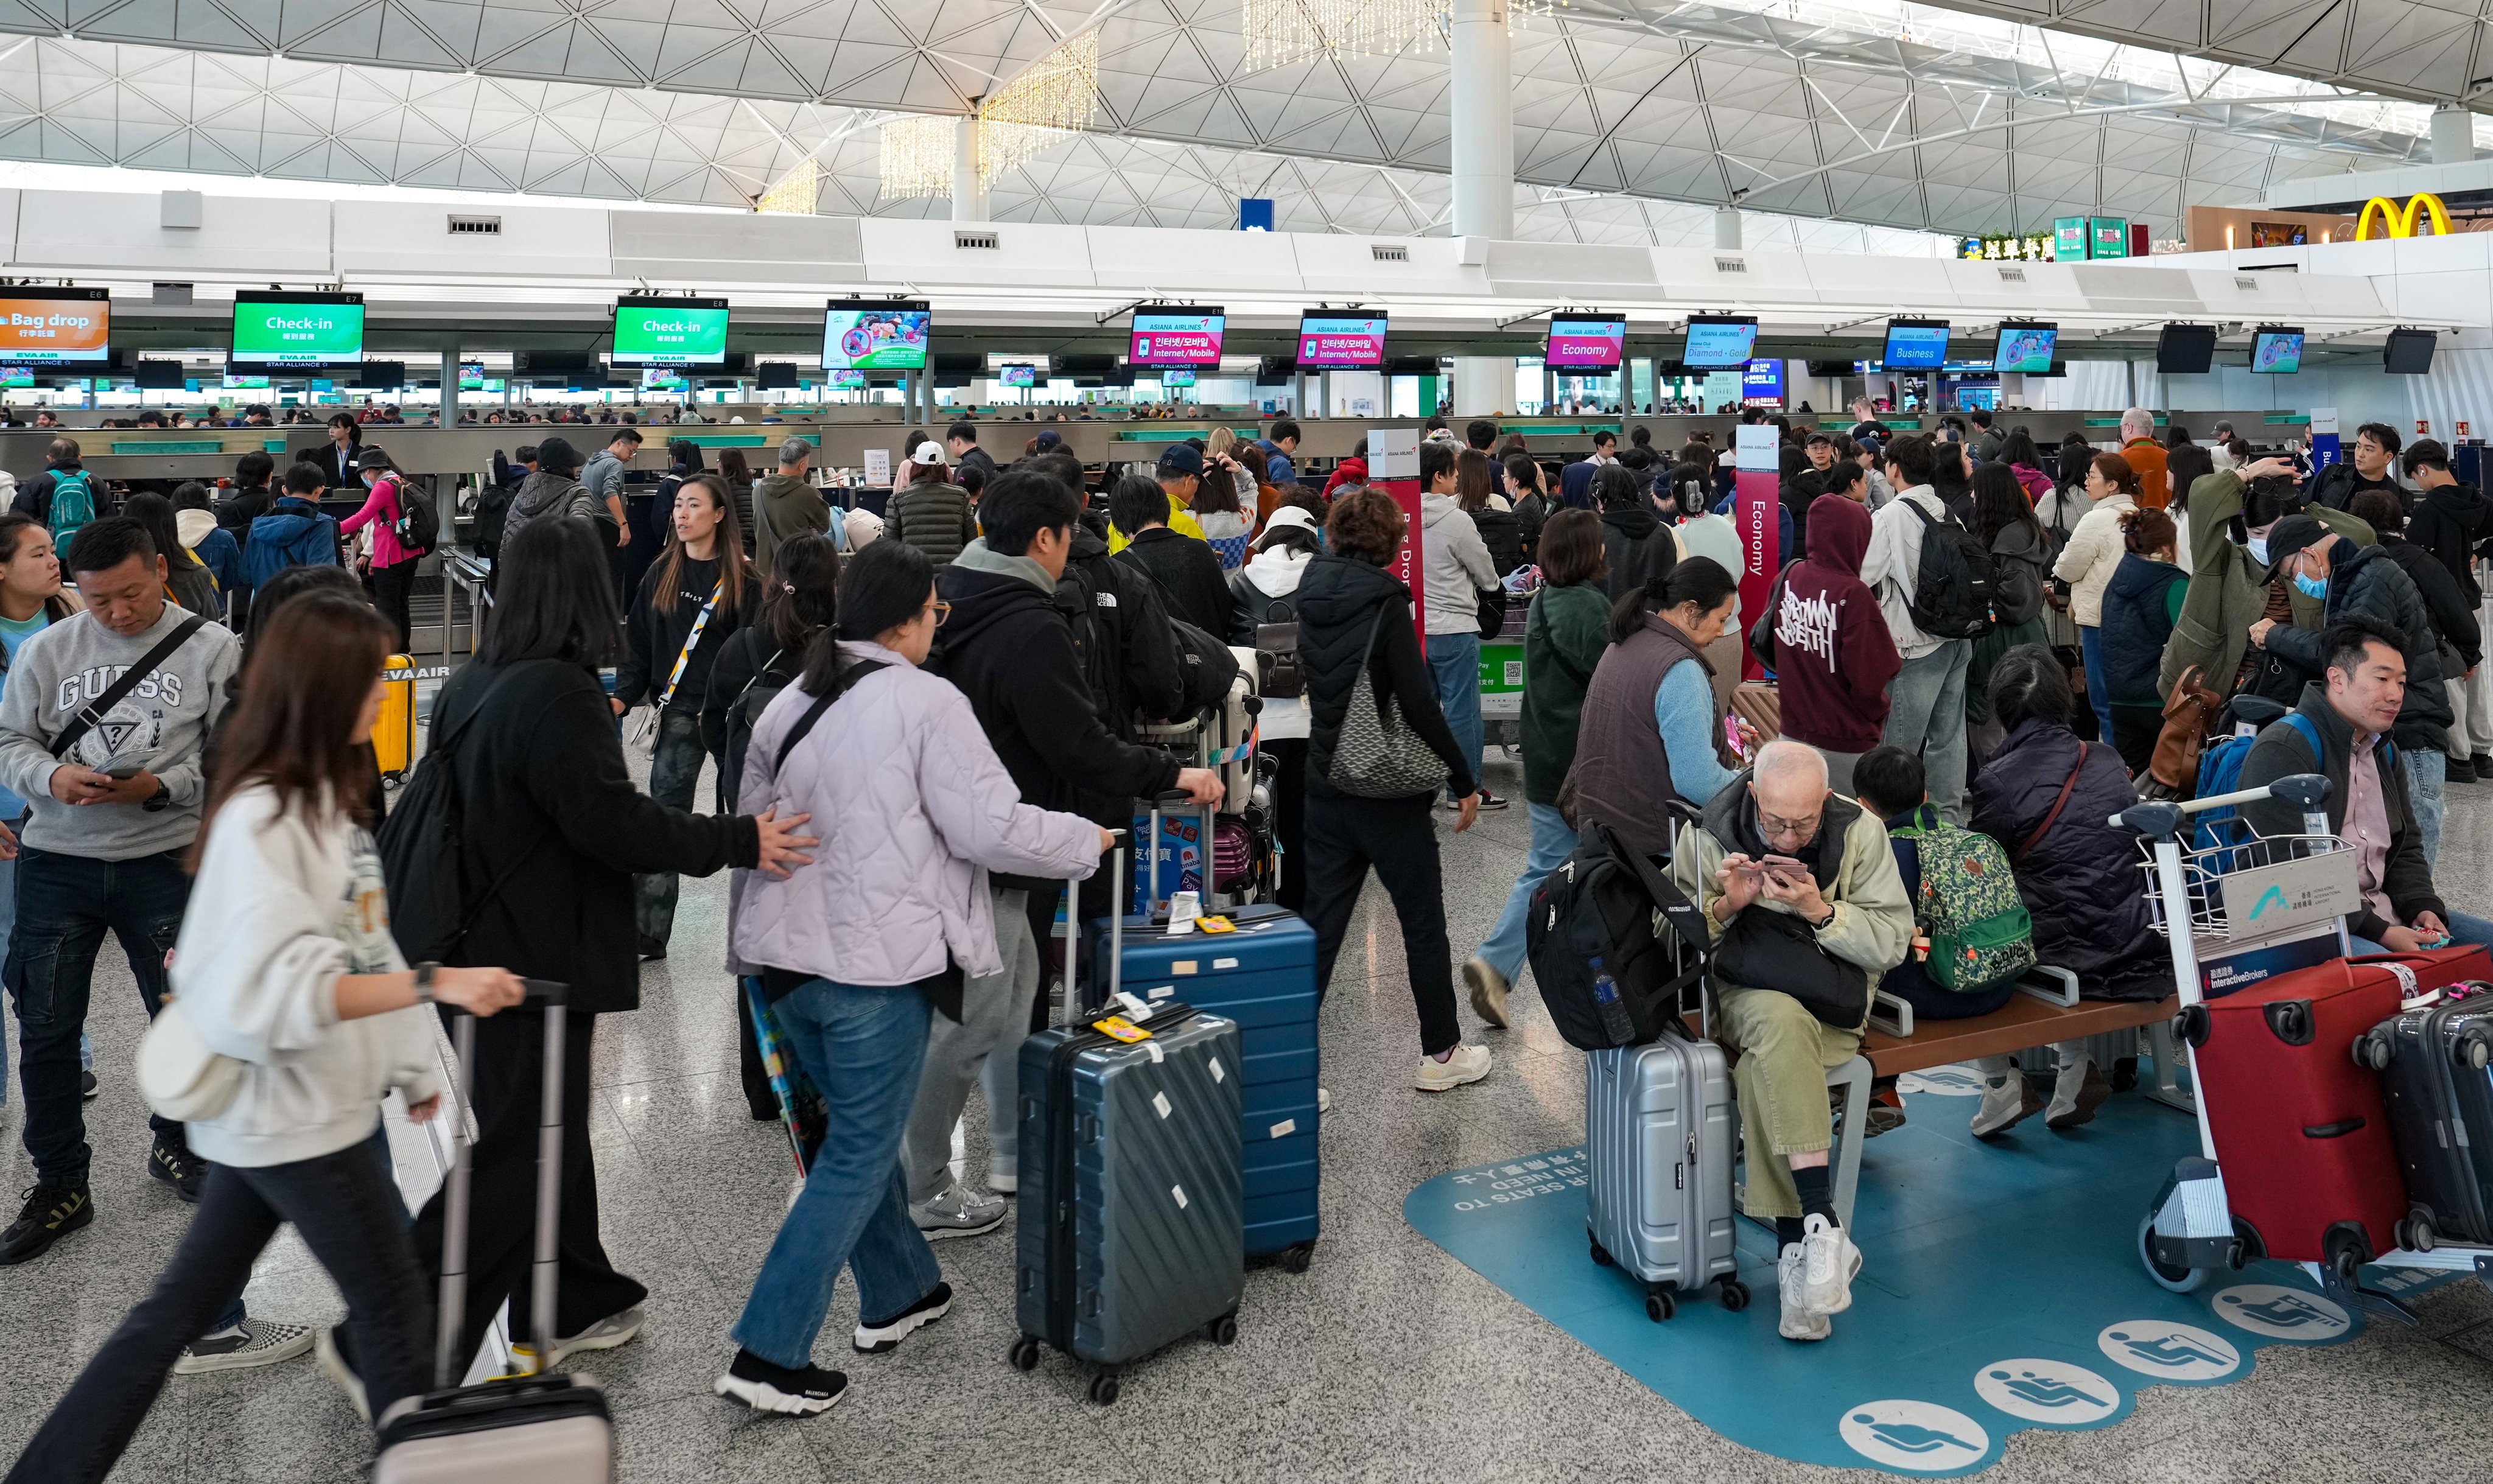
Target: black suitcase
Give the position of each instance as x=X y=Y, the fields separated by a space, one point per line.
x=2433 y=1071
x=536 y=1429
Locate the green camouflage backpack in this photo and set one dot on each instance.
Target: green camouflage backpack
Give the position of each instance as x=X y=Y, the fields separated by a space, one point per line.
x=1980 y=933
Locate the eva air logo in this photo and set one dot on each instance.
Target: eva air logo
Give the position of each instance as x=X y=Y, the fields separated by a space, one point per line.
x=2274 y=894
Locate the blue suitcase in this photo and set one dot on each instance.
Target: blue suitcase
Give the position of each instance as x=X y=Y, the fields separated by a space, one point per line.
x=1128 y=1235
x=1263 y=976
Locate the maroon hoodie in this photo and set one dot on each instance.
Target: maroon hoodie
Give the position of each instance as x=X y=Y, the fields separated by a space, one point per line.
x=1833 y=653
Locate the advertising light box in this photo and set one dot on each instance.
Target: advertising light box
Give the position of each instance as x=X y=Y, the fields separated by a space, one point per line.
x=1719 y=343
x=2026 y=348
x=55 y=326
x=1761 y=381
x=277 y=328
x=2276 y=350
x=654 y=331
x=1587 y=345
x=1328 y=341
x=1187 y=337
x=875 y=335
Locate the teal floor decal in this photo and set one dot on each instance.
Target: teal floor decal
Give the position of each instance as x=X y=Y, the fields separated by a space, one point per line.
x=2001 y=1291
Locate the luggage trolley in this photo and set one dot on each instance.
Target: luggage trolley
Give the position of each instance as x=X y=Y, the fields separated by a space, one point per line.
x=2189 y=1230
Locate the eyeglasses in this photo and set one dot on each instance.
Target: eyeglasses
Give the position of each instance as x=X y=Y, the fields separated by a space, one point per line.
x=1771 y=825
x=943 y=611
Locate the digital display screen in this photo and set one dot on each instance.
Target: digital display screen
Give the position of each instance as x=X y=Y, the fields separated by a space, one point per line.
x=2107 y=237
x=1587 y=345
x=248 y=383
x=1175 y=337
x=2026 y=348
x=472 y=375
x=1716 y=344
x=55 y=326
x=16 y=375
x=2408 y=352
x=2185 y=349
x=1023 y=374
x=2276 y=350
x=1761 y=381
x=1170 y=378
x=661 y=378
x=1915 y=344
x=847 y=380
x=1340 y=341
x=652 y=330
x=881 y=335
x=275 y=328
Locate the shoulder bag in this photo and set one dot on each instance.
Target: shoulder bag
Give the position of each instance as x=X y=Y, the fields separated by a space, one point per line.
x=1377 y=755
x=2026 y=846
x=95 y=711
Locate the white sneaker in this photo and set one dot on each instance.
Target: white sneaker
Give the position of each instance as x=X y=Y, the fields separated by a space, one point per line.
x=2076 y=1094
x=605 y=1335
x=1828 y=1264
x=1468 y=1064
x=1004 y=1173
x=2008 y=1100
x=251 y=1343
x=1797 y=1322
x=956 y=1210
x=1488 y=990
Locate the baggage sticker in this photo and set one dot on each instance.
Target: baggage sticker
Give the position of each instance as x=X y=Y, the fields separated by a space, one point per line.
x=1218 y=965
x=1179 y=1191
x=1183 y=966
x=1162 y=991
x=1216 y=1074
x=1117 y=1027
x=1285 y=1128
x=1161 y=1104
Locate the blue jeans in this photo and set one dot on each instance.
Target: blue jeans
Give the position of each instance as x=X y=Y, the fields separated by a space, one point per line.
x=2464 y=928
x=2098 y=688
x=2427 y=773
x=1552 y=842
x=1455 y=660
x=64 y=905
x=863 y=1046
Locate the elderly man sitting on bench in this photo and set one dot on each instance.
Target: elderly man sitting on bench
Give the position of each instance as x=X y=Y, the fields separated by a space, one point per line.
x=1801 y=892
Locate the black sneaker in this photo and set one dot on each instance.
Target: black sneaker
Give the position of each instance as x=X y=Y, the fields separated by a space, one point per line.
x=881 y=1337
x=1489 y=801
x=88 y=1086
x=50 y=1213
x=2483 y=765
x=172 y=1162
x=2461 y=770
x=652 y=948
x=767 y=1387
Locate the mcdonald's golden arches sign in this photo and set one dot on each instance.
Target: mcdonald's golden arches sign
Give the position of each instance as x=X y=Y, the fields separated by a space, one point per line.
x=2398 y=224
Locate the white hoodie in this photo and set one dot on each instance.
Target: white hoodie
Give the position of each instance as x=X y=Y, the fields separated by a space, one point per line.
x=281 y=906
x=1275 y=571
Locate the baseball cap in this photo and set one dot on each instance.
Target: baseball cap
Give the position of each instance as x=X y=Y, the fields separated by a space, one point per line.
x=1179 y=458
x=928 y=452
x=2290 y=535
x=1288 y=515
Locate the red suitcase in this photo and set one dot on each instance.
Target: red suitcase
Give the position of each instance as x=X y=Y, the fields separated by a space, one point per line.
x=2301 y=1130
x=2438 y=969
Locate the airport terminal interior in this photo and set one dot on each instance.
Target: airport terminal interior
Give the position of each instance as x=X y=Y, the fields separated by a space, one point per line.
x=1716 y=415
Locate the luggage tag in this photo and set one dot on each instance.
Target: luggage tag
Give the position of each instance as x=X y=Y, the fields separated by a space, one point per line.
x=1136 y=1009
x=1215 y=925
x=1118 y=1028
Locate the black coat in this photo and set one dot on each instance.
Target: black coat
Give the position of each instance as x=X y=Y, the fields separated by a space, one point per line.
x=543 y=787
x=1337 y=602
x=1010 y=649
x=2336 y=485
x=2448 y=522
x=2081 y=881
x=654 y=637
x=1141 y=674
x=1192 y=581
x=2452 y=614
x=1635 y=545
x=2368 y=580
x=2281 y=753
x=1502 y=532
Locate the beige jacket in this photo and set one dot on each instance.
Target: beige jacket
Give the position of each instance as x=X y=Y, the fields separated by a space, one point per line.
x=2088 y=561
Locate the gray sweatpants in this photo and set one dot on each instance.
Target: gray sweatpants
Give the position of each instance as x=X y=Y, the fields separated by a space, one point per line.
x=1926 y=717
x=995 y=1020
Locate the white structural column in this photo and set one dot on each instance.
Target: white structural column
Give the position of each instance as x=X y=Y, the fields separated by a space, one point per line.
x=1483 y=103
x=1483 y=385
x=968 y=189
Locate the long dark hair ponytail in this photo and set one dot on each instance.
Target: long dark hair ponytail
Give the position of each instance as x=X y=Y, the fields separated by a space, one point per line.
x=1700 y=580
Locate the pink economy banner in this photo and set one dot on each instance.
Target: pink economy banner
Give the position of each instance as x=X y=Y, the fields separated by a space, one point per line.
x=1591 y=343
x=1755 y=499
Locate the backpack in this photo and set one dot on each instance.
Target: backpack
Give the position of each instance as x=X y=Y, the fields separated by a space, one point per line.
x=72 y=505
x=1205 y=666
x=1077 y=594
x=423 y=856
x=1601 y=942
x=492 y=512
x=746 y=714
x=1981 y=934
x=1958 y=585
x=418 y=528
x=2220 y=772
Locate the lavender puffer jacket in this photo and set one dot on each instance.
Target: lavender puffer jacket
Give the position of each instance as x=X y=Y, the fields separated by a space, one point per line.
x=913 y=810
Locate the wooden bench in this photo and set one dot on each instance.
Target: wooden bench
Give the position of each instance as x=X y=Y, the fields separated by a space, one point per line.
x=2021 y=1025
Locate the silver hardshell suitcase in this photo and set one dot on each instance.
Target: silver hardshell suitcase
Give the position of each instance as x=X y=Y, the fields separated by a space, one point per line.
x=523 y=1429
x=1131 y=1230
x=1660 y=1125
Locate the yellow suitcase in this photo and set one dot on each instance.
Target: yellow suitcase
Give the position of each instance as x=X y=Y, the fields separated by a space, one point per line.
x=394 y=734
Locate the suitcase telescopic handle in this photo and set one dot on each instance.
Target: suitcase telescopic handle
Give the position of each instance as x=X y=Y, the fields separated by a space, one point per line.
x=1073 y=1005
x=448 y=1367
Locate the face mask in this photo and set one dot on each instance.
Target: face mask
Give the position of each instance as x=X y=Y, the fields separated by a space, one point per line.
x=2259 y=549
x=2311 y=587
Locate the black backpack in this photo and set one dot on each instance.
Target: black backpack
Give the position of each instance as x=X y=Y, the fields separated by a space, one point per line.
x=1600 y=939
x=1095 y=642
x=1206 y=669
x=422 y=850
x=1959 y=584
x=418 y=528
x=746 y=714
x=493 y=513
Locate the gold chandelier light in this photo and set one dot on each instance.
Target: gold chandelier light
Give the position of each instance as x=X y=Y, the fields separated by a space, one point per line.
x=1055 y=96
x=797 y=193
x=1281 y=31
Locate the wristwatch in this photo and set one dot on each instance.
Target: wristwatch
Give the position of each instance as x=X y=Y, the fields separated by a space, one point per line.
x=1826 y=922
x=424 y=973
x=161 y=800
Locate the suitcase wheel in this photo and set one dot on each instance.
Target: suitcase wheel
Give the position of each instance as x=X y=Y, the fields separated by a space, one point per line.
x=2473 y=1049
x=2419 y=1232
x=1024 y=1355
x=2174 y=1280
x=1297 y=1259
x=2372 y=1049
x=1602 y=1258
x=1736 y=1294
x=1103 y=1388
x=1660 y=1305
x=1222 y=1330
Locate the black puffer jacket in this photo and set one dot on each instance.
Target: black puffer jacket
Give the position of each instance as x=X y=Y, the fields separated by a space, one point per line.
x=1337 y=603
x=1635 y=544
x=2454 y=617
x=2368 y=580
x=2080 y=881
x=2448 y=522
x=1502 y=532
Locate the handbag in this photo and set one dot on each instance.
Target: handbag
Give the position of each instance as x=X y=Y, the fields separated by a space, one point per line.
x=1492 y=612
x=180 y=1075
x=1761 y=632
x=1766 y=949
x=1276 y=649
x=2188 y=713
x=1377 y=755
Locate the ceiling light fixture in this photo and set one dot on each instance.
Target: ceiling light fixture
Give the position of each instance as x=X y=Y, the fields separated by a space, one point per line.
x=1281 y=31
x=1055 y=96
x=799 y=191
